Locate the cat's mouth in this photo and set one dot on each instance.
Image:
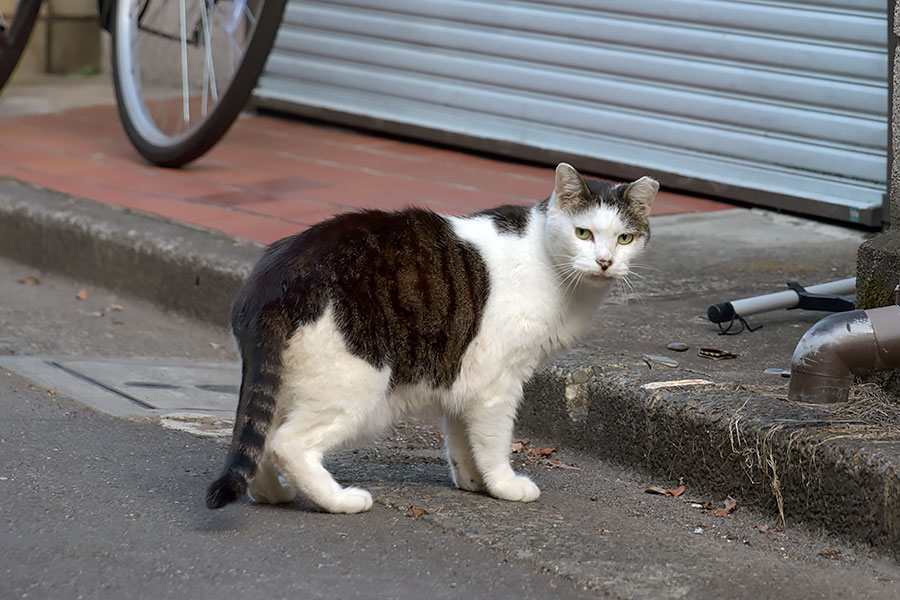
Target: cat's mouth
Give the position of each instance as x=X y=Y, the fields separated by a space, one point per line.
x=601 y=276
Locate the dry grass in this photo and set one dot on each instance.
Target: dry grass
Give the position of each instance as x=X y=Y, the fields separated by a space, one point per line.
x=869 y=415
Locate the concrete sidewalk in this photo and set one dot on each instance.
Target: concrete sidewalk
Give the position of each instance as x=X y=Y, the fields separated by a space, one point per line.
x=170 y=236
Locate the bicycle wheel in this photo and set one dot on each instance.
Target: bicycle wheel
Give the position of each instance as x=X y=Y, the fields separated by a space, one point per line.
x=184 y=69
x=15 y=30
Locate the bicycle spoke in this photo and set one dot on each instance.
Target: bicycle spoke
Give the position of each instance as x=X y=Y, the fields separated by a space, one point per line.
x=209 y=71
x=237 y=8
x=185 y=92
x=249 y=14
x=182 y=76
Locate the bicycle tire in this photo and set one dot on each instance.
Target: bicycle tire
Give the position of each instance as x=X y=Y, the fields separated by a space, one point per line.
x=177 y=150
x=14 y=39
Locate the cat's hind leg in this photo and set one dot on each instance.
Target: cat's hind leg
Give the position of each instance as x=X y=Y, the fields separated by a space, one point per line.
x=301 y=463
x=489 y=425
x=266 y=487
x=331 y=398
x=459 y=454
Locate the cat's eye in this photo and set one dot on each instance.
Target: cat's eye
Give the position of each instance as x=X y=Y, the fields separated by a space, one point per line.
x=583 y=234
x=626 y=238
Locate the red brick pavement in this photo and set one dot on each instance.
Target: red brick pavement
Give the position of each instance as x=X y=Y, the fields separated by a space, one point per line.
x=270 y=177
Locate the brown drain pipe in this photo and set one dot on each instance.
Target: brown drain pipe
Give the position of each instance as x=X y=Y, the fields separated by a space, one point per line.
x=841 y=346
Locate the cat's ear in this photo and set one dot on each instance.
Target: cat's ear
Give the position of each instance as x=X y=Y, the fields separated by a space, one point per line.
x=570 y=190
x=641 y=194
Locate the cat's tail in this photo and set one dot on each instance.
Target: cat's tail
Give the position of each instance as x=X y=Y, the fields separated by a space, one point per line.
x=260 y=382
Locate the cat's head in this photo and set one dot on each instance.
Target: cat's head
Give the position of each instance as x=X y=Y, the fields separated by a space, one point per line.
x=595 y=229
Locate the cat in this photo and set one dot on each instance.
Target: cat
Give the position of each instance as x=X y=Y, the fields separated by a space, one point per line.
x=372 y=315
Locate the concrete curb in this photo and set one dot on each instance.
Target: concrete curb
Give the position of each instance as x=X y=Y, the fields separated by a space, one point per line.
x=190 y=270
x=749 y=443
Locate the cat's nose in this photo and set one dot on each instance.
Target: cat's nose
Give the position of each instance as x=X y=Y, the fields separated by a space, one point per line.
x=604 y=263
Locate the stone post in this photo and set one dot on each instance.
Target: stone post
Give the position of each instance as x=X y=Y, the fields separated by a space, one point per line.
x=878 y=259
x=74 y=36
x=65 y=39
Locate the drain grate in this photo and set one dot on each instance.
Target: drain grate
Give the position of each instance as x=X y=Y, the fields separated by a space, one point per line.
x=136 y=388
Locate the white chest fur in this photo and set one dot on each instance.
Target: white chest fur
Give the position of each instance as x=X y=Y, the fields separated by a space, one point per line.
x=528 y=315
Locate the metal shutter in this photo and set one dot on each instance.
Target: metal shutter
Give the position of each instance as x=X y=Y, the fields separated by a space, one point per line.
x=773 y=102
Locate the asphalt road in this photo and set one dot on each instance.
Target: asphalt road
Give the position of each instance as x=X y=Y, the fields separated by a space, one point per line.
x=97 y=507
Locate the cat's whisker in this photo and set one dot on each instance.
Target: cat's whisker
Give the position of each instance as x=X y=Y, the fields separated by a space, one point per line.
x=630 y=273
x=642 y=266
x=565 y=273
x=631 y=291
x=573 y=280
x=571 y=285
x=581 y=276
x=622 y=289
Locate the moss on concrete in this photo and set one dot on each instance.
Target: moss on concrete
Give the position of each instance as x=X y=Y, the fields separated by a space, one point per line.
x=878 y=270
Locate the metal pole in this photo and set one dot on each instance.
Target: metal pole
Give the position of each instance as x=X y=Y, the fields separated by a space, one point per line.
x=726 y=311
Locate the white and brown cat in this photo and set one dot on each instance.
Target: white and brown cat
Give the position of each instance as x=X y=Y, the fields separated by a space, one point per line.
x=373 y=315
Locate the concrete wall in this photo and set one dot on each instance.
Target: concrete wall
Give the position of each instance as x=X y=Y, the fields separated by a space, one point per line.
x=65 y=39
x=878 y=261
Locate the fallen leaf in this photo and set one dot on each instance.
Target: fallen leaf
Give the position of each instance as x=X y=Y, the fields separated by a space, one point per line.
x=674 y=493
x=761 y=528
x=603 y=531
x=715 y=354
x=523 y=441
x=542 y=452
x=517 y=447
x=115 y=307
x=29 y=280
x=82 y=294
x=730 y=505
x=215 y=345
x=831 y=554
x=52 y=391
x=418 y=511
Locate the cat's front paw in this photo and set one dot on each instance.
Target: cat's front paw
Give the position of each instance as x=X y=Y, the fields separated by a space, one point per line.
x=350 y=500
x=517 y=489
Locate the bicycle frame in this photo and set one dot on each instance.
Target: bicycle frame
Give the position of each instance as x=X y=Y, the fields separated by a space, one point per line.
x=17 y=27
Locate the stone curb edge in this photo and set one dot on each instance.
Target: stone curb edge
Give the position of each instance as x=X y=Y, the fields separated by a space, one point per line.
x=193 y=271
x=747 y=442
x=715 y=437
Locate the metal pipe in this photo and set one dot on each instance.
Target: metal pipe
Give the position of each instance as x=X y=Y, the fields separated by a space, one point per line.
x=725 y=311
x=841 y=346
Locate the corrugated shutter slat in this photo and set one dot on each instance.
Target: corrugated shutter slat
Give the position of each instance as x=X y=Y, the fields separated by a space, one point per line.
x=705 y=92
